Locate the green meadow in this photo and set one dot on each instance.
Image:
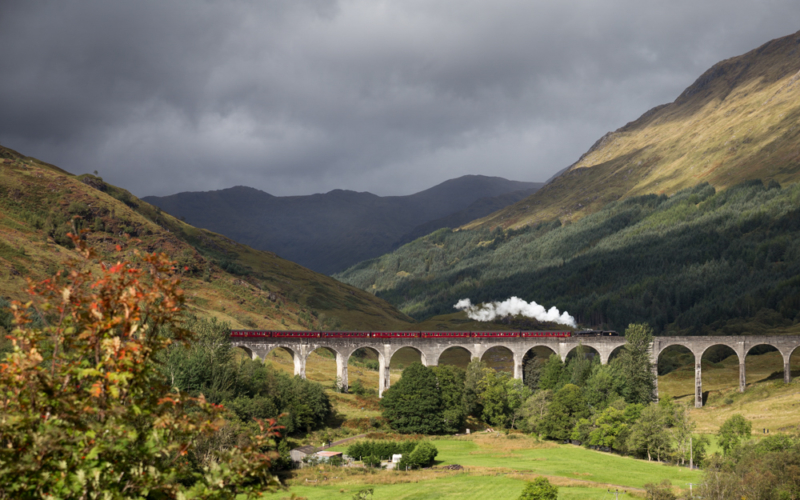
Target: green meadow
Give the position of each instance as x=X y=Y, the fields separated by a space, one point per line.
x=495 y=466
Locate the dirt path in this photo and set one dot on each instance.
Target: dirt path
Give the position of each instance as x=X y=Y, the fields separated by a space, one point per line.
x=341 y=441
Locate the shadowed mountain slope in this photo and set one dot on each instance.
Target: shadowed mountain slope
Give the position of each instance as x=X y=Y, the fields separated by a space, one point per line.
x=329 y=232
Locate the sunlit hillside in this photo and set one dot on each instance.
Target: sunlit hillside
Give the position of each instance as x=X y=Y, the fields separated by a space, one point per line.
x=738 y=121
x=222 y=278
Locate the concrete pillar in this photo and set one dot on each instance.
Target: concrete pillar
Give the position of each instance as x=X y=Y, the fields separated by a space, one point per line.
x=698 y=380
x=341 y=371
x=518 y=366
x=787 y=368
x=654 y=367
x=383 y=376
x=563 y=350
x=742 y=374
x=299 y=357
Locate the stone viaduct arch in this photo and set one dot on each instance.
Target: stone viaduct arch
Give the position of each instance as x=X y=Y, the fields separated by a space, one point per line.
x=431 y=349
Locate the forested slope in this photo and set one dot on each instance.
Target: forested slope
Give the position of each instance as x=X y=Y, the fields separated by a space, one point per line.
x=698 y=262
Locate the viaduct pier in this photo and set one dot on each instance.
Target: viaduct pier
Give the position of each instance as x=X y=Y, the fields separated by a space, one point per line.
x=431 y=349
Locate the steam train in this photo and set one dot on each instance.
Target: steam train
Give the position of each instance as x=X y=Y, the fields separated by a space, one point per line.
x=417 y=335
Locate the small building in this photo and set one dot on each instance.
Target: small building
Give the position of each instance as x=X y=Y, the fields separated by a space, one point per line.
x=325 y=456
x=298 y=454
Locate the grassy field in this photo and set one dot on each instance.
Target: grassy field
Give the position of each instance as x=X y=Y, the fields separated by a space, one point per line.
x=461 y=486
x=495 y=466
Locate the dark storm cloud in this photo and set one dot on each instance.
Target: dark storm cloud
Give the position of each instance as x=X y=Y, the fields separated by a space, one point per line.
x=297 y=97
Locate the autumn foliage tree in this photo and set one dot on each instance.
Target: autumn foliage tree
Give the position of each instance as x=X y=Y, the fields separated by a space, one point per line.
x=84 y=410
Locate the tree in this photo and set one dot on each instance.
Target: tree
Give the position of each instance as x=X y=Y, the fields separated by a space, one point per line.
x=579 y=367
x=603 y=386
x=414 y=405
x=567 y=407
x=532 y=372
x=451 y=380
x=732 y=431
x=476 y=370
x=613 y=424
x=649 y=434
x=552 y=373
x=635 y=367
x=532 y=412
x=86 y=411
x=539 y=489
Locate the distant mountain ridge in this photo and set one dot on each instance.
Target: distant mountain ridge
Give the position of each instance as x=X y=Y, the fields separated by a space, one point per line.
x=332 y=231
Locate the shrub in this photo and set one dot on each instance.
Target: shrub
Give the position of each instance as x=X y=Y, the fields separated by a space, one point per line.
x=539 y=489
x=660 y=491
x=86 y=411
x=423 y=454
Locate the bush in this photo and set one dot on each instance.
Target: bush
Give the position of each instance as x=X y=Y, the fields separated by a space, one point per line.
x=660 y=491
x=371 y=461
x=423 y=454
x=539 y=489
x=381 y=449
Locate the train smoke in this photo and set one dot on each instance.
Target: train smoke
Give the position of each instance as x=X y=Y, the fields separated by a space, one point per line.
x=513 y=307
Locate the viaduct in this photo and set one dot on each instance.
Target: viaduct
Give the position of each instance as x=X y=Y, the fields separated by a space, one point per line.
x=431 y=349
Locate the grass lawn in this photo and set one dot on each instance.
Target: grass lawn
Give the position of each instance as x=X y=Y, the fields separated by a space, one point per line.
x=462 y=486
x=496 y=467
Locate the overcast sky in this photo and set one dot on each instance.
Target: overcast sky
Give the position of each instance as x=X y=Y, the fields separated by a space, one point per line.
x=306 y=96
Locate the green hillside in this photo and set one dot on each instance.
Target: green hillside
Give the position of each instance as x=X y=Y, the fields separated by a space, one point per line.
x=738 y=121
x=222 y=278
x=698 y=262
x=677 y=219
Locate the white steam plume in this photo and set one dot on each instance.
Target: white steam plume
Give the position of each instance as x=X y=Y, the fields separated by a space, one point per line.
x=513 y=307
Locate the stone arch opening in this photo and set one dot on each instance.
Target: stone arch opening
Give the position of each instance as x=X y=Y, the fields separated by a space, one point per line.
x=363 y=371
x=281 y=357
x=533 y=362
x=455 y=356
x=675 y=368
x=720 y=373
x=615 y=353
x=403 y=357
x=589 y=353
x=321 y=365
x=499 y=358
x=762 y=362
x=286 y=359
x=579 y=361
x=242 y=352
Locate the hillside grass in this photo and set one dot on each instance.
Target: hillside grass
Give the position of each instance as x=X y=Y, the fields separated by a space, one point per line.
x=767 y=402
x=737 y=122
x=221 y=278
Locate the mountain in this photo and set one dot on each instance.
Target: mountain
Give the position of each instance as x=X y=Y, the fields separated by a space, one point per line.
x=329 y=232
x=222 y=278
x=739 y=120
x=686 y=219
